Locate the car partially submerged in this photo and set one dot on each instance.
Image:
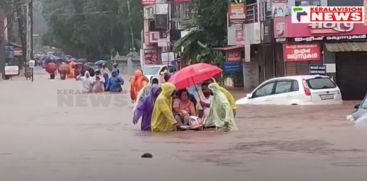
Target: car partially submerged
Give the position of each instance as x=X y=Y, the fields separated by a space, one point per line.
x=295 y=90
x=360 y=112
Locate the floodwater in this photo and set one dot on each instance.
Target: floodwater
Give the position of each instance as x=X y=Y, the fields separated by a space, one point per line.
x=43 y=141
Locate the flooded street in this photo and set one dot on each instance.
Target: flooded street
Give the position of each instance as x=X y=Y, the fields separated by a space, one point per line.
x=41 y=140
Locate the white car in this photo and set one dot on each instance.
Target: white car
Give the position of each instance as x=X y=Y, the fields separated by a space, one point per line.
x=295 y=90
x=154 y=71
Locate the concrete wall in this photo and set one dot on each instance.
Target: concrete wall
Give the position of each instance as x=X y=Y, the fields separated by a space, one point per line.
x=251 y=75
x=329 y=58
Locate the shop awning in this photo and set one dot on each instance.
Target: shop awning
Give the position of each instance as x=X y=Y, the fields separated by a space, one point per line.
x=346 y=47
x=228 y=48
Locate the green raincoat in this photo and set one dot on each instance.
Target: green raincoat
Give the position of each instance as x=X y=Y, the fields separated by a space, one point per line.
x=162 y=117
x=221 y=114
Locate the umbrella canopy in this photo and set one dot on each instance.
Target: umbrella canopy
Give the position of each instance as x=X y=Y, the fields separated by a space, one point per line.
x=82 y=60
x=101 y=62
x=194 y=74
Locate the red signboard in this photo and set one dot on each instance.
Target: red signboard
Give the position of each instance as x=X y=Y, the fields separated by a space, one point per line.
x=147 y=2
x=284 y=28
x=304 y=52
x=150 y=56
x=240 y=39
x=234 y=56
x=153 y=37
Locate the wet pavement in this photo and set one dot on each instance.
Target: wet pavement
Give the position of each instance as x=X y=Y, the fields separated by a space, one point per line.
x=42 y=140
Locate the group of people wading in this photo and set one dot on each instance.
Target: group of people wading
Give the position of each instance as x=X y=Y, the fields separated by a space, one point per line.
x=162 y=108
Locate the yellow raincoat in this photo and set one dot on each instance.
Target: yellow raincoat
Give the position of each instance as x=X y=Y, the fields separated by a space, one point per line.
x=229 y=96
x=221 y=114
x=162 y=117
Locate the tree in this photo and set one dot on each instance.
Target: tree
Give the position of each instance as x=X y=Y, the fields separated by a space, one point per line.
x=208 y=30
x=91 y=28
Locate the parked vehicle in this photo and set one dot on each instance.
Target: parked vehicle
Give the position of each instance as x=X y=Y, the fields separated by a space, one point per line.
x=156 y=70
x=295 y=90
x=360 y=111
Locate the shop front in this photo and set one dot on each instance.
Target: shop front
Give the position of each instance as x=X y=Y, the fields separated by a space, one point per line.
x=342 y=50
x=232 y=67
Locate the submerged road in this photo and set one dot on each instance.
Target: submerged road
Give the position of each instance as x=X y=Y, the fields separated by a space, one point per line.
x=49 y=132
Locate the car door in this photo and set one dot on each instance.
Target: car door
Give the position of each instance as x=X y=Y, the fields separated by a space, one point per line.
x=285 y=92
x=263 y=95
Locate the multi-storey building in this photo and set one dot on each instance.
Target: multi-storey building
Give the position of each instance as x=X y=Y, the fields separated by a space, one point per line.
x=162 y=26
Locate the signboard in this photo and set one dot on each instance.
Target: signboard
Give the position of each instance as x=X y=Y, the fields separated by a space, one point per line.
x=163 y=42
x=240 y=39
x=279 y=9
x=330 y=68
x=18 y=52
x=317 y=69
x=232 y=67
x=234 y=56
x=284 y=28
x=328 y=14
x=32 y=63
x=147 y=2
x=237 y=12
x=153 y=36
x=302 y=52
x=150 y=56
x=11 y=70
x=161 y=9
x=168 y=58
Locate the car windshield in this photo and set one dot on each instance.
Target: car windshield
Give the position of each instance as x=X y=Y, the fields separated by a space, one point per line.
x=151 y=70
x=321 y=83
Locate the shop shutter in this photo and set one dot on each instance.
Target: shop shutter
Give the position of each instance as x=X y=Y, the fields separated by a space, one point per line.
x=290 y=68
x=351 y=73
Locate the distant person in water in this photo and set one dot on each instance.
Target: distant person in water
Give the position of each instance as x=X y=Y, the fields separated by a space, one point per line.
x=115 y=82
x=86 y=82
x=115 y=68
x=137 y=83
x=98 y=85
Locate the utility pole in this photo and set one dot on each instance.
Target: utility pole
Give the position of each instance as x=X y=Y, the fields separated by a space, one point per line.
x=131 y=28
x=29 y=54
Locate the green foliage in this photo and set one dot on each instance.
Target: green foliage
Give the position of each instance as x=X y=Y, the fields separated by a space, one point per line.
x=208 y=30
x=92 y=28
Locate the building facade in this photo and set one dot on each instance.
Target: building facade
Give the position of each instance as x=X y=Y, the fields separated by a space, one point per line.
x=338 y=50
x=274 y=46
x=162 y=26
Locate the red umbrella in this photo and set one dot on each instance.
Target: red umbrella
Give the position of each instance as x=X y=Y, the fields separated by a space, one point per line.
x=194 y=74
